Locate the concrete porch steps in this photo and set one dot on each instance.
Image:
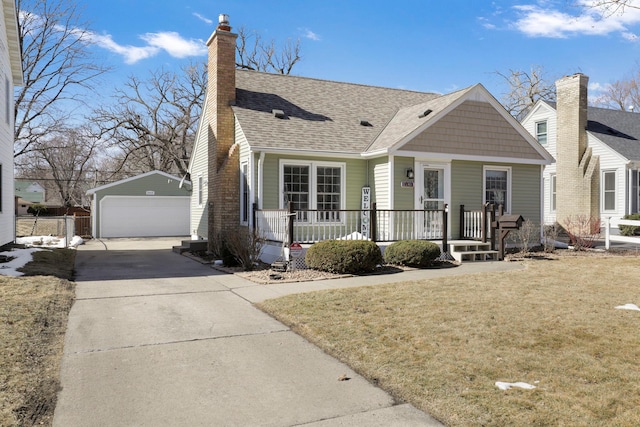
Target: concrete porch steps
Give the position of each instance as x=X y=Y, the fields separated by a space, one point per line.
x=471 y=250
x=190 y=246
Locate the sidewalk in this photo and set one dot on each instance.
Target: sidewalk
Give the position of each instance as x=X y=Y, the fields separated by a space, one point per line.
x=157 y=339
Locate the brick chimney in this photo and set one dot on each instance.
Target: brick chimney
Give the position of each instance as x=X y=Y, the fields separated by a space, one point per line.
x=223 y=161
x=577 y=171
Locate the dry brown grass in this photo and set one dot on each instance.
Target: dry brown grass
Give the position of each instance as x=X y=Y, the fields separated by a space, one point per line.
x=442 y=344
x=33 y=320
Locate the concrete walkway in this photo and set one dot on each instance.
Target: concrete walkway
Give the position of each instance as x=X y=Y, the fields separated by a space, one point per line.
x=157 y=339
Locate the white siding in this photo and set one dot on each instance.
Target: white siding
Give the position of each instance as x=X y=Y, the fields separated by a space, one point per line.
x=7 y=213
x=381 y=179
x=198 y=216
x=611 y=161
x=246 y=157
x=541 y=113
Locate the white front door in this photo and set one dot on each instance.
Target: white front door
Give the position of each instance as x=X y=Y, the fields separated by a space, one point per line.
x=433 y=189
x=432 y=193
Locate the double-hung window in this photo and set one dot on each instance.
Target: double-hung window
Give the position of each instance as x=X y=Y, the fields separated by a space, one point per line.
x=315 y=186
x=200 y=190
x=541 y=132
x=497 y=186
x=609 y=190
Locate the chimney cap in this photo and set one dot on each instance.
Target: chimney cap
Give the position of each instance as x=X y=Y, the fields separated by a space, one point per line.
x=223 y=22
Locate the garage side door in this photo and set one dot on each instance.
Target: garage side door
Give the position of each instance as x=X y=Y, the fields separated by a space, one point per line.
x=152 y=216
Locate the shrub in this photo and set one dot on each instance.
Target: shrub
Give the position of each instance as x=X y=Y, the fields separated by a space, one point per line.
x=630 y=230
x=583 y=231
x=37 y=209
x=527 y=236
x=412 y=253
x=241 y=246
x=551 y=233
x=344 y=256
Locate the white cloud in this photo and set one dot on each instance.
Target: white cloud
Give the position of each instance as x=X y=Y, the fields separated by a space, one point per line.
x=168 y=41
x=131 y=54
x=543 y=20
x=174 y=44
x=307 y=33
x=203 y=18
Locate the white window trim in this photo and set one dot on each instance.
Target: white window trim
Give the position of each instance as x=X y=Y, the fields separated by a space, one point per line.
x=603 y=190
x=537 y=134
x=553 y=179
x=485 y=168
x=313 y=165
x=200 y=190
x=242 y=190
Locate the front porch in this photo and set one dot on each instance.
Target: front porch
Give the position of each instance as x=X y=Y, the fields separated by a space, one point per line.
x=281 y=227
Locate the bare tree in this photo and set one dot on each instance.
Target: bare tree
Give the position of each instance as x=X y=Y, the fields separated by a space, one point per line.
x=621 y=94
x=152 y=124
x=63 y=161
x=611 y=7
x=58 y=69
x=253 y=53
x=525 y=89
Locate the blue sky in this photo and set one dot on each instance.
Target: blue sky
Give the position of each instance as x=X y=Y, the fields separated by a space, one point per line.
x=426 y=45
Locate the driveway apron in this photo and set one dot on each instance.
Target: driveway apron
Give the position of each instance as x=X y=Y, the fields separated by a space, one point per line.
x=157 y=339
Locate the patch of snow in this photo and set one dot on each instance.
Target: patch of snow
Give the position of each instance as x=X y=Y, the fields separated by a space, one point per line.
x=49 y=241
x=628 y=307
x=20 y=258
x=506 y=386
x=353 y=236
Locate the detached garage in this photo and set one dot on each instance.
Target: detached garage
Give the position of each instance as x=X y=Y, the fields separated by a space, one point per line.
x=154 y=204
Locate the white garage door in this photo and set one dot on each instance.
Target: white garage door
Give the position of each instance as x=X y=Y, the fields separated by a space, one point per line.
x=152 y=216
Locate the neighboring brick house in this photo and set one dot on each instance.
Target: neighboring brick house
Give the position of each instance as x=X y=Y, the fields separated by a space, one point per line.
x=597 y=152
x=270 y=139
x=10 y=76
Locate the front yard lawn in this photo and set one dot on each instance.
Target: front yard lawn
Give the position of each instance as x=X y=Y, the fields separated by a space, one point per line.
x=33 y=320
x=443 y=344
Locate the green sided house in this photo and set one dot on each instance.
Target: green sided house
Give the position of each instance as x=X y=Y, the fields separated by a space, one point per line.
x=353 y=161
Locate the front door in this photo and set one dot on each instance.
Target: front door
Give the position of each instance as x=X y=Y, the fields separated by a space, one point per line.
x=433 y=189
x=432 y=202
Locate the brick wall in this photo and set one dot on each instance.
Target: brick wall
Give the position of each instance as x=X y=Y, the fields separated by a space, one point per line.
x=223 y=162
x=577 y=170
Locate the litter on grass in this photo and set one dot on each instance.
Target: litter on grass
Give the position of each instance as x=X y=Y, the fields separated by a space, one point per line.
x=628 y=307
x=506 y=386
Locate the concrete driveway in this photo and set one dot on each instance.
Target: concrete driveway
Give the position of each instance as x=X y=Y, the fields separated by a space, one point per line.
x=157 y=339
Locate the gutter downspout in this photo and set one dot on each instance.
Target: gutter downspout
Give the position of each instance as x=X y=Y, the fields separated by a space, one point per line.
x=260 y=179
x=630 y=190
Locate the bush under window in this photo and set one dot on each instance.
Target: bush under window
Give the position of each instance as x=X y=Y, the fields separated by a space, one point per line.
x=344 y=256
x=412 y=253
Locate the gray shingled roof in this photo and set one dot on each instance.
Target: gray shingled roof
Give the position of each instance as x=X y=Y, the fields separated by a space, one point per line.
x=620 y=130
x=320 y=115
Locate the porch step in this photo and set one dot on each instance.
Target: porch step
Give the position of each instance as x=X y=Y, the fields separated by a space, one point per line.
x=475 y=256
x=471 y=250
x=190 y=246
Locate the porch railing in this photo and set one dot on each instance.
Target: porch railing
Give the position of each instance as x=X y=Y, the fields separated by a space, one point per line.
x=477 y=224
x=380 y=225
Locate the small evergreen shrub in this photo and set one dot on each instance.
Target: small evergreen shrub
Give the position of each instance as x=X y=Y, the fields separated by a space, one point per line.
x=630 y=230
x=344 y=256
x=412 y=253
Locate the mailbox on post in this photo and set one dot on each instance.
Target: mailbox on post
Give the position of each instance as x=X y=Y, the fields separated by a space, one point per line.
x=504 y=224
x=510 y=222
